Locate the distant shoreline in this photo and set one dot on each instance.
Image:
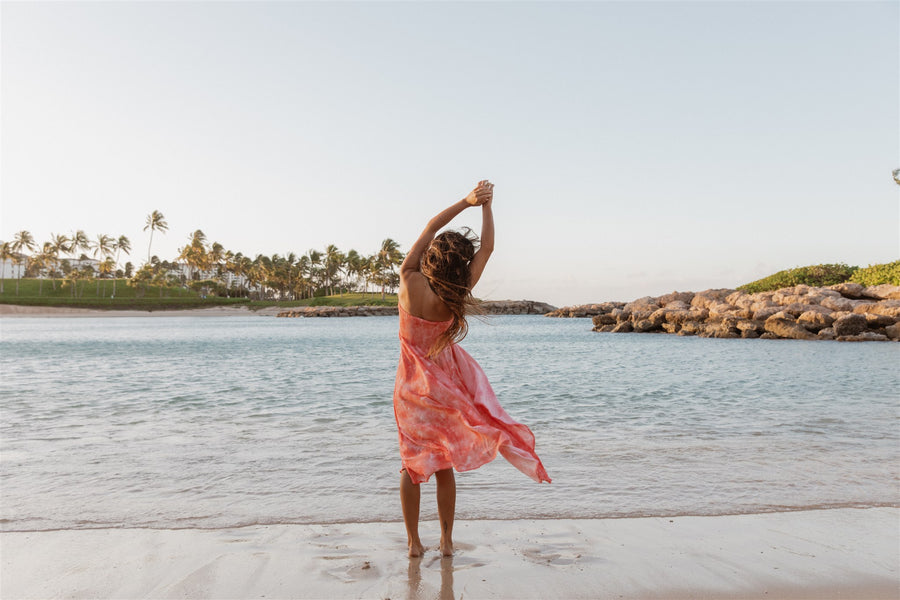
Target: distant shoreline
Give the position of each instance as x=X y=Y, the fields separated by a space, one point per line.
x=15 y=311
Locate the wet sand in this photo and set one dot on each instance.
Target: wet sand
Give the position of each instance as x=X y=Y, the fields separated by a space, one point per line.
x=838 y=553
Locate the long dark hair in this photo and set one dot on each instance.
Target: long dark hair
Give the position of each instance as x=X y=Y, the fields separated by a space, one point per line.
x=445 y=264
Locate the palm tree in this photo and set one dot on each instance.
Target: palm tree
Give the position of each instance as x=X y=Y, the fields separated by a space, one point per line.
x=371 y=268
x=389 y=256
x=23 y=239
x=353 y=262
x=41 y=262
x=241 y=268
x=6 y=253
x=303 y=273
x=315 y=259
x=106 y=268
x=195 y=254
x=291 y=267
x=72 y=279
x=79 y=240
x=60 y=245
x=259 y=274
x=333 y=261
x=215 y=258
x=103 y=249
x=123 y=244
x=155 y=222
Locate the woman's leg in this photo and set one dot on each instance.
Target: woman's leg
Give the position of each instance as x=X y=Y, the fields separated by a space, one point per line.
x=446 y=502
x=409 y=501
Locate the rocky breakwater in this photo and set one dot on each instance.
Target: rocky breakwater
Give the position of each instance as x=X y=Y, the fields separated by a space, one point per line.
x=516 y=307
x=339 y=311
x=491 y=307
x=843 y=312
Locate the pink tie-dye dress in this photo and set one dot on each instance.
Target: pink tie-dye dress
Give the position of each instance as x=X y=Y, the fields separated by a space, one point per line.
x=447 y=413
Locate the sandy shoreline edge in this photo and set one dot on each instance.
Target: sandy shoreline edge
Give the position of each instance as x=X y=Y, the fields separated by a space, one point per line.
x=19 y=311
x=834 y=553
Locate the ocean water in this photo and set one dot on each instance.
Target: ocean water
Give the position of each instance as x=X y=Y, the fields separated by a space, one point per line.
x=211 y=422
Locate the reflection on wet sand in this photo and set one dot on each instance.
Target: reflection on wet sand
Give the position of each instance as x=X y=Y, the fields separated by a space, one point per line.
x=416 y=590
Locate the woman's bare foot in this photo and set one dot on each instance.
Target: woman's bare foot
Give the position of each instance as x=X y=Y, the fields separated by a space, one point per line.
x=446 y=547
x=416 y=549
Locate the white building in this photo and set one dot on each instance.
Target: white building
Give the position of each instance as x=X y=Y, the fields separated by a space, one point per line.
x=229 y=279
x=83 y=263
x=10 y=270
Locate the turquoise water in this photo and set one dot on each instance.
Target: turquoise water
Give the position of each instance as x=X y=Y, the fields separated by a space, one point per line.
x=217 y=422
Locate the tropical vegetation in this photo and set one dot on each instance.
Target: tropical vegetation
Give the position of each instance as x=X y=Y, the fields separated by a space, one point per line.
x=878 y=274
x=204 y=270
x=826 y=274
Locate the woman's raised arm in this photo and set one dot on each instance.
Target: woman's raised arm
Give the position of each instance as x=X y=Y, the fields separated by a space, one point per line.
x=479 y=261
x=479 y=196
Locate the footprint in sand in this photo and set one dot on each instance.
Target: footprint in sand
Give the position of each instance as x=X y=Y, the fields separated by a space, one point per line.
x=552 y=556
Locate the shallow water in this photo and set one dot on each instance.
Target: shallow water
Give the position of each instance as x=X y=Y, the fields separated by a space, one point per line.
x=218 y=422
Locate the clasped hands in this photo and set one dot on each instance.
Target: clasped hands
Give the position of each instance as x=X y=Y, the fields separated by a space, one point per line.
x=482 y=194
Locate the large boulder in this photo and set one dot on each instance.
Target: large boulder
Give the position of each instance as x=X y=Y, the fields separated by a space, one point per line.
x=796 y=309
x=604 y=320
x=623 y=327
x=691 y=328
x=718 y=309
x=826 y=334
x=890 y=308
x=720 y=330
x=677 y=305
x=670 y=327
x=667 y=299
x=893 y=331
x=620 y=314
x=840 y=303
x=849 y=290
x=848 y=325
x=784 y=326
x=882 y=292
x=874 y=321
x=645 y=303
x=706 y=298
x=787 y=296
x=745 y=325
x=680 y=316
x=763 y=313
x=815 y=321
x=740 y=299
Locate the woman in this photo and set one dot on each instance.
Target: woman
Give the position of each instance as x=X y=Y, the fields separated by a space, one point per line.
x=447 y=414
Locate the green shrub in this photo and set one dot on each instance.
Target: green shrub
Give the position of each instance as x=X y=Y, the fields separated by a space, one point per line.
x=878 y=274
x=813 y=275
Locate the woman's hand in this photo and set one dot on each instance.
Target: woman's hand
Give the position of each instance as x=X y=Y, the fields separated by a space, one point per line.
x=482 y=194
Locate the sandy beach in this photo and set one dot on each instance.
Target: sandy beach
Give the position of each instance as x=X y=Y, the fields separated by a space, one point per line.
x=838 y=553
x=16 y=311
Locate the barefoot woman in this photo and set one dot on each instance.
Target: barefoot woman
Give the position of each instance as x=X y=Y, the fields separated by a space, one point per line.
x=447 y=414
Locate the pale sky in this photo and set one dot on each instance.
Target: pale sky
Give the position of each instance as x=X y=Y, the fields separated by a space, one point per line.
x=636 y=147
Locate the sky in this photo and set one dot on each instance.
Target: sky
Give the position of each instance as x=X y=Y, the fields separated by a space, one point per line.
x=636 y=147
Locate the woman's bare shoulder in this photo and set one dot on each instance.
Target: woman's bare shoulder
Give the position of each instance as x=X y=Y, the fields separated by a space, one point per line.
x=418 y=299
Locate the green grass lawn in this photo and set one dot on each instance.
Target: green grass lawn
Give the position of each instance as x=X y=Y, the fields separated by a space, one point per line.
x=32 y=292
x=355 y=299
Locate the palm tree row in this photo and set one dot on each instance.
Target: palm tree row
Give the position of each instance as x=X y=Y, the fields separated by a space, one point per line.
x=289 y=276
x=199 y=262
x=47 y=260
